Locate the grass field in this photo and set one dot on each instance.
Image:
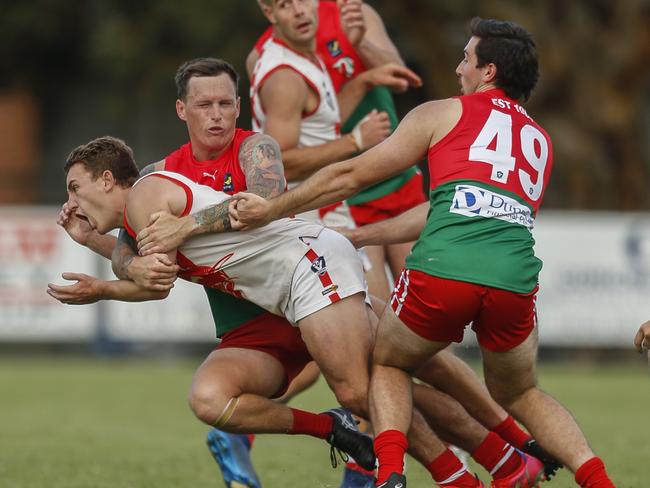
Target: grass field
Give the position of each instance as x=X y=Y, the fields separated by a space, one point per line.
x=72 y=423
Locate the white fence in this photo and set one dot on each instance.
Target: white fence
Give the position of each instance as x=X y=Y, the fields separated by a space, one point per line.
x=595 y=285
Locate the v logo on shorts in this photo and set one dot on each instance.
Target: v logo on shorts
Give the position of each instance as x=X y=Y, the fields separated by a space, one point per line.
x=319 y=266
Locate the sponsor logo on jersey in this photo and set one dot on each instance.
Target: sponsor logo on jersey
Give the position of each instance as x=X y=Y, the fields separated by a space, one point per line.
x=211 y=175
x=345 y=66
x=334 y=48
x=227 y=183
x=330 y=289
x=319 y=266
x=474 y=201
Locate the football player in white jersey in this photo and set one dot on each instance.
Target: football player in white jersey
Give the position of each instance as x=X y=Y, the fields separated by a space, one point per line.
x=293 y=99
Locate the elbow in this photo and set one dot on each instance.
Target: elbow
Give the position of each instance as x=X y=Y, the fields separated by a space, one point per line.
x=349 y=188
x=350 y=183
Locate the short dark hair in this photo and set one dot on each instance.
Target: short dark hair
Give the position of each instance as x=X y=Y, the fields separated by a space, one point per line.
x=106 y=153
x=512 y=50
x=202 y=67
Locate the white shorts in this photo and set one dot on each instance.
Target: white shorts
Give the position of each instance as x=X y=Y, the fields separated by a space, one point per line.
x=330 y=271
x=337 y=216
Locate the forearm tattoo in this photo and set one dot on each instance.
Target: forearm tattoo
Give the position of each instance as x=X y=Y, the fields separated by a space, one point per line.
x=213 y=219
x=261 y=161
x=123 y=253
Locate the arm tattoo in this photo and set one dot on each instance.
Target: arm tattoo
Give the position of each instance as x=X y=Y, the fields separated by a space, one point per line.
x=150 y=168
x=213 y=219
x=123 y=253
x=261 y=161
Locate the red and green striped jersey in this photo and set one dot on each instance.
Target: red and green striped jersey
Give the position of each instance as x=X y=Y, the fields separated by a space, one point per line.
x=488 y=177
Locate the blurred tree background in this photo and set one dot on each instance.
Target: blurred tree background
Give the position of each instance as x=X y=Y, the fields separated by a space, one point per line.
x=77 y=69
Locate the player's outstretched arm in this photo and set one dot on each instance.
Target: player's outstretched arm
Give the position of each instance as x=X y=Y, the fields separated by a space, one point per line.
x=261 y=162
x=88 y=289
x=407 y=145
x=642 y=338
x=375 y=47
x=405 y=227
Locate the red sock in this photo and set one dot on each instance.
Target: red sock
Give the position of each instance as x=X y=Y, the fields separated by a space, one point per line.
x=592 y=474
x=316 y=425
x=447 y=469
x=497 y=457
x=390 y=448
x=251 y=438
x=510 y=432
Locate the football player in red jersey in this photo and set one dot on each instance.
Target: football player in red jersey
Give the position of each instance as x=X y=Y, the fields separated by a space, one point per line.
x=474 y=262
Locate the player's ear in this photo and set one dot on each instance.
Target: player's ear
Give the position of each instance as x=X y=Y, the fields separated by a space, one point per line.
x=238 y=106
x=267 y=9
x=108 y=179
x=489 y=72
x=180 y=109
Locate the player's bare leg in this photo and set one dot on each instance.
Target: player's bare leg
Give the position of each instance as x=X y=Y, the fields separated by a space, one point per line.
x=453 y=376
x=339 y=338
x=300 y=383
x=378 y=284
x=396 y=256
x=448 y=418
x=511 y=378
x=247 y=378
x=229 y=392
x=398 y=351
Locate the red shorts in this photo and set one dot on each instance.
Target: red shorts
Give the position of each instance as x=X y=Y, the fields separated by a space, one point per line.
x=391 y=205
x=275 y=336
x=438 y=309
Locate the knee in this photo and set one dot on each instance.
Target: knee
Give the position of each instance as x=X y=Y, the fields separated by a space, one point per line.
x=353 y=397
x=207 y=402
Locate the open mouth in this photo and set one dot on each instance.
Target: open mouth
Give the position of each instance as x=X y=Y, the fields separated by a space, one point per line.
x=303 y=27
x=215 y=130
x=85 y=219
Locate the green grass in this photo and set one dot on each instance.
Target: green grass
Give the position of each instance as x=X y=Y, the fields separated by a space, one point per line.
x=71 y=423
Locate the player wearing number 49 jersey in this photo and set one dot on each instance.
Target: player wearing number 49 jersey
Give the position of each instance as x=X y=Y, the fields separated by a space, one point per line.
x=473 y=261
x=488 y=176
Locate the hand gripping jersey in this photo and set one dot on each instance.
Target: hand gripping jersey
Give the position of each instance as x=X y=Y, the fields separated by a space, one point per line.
x=488 y=177
x=318 y=127
x=257 y=265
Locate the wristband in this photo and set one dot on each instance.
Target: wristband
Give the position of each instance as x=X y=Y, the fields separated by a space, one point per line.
x=357 y=137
